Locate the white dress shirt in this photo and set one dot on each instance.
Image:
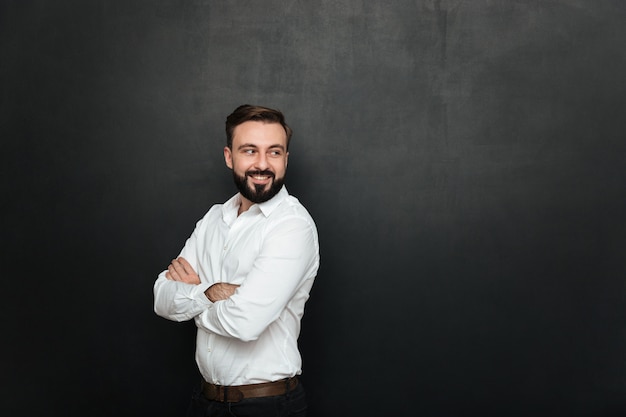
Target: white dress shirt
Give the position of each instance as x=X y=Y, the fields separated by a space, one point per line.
x=272 y=251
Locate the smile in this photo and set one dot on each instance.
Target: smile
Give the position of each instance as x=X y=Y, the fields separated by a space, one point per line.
x=260 y=177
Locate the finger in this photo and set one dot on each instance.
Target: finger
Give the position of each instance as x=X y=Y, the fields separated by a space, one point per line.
x=186 y=265
x=178 y=267
x=173 y=273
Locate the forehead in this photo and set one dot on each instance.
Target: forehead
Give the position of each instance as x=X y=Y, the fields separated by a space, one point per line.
x=259 y=133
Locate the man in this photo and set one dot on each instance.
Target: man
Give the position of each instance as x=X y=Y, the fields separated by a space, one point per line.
x=244 y=276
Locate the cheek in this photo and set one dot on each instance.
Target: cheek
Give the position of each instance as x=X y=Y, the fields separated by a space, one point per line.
x=237 y=165
x=280 y=167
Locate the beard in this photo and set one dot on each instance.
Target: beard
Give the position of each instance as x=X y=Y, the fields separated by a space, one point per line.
x=258 y=193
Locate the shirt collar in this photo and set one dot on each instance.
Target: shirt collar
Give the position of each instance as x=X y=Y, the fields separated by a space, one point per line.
x=269 y=206
x=231 y=207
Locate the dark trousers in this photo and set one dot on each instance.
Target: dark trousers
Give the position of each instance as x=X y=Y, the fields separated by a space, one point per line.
x=291 y=404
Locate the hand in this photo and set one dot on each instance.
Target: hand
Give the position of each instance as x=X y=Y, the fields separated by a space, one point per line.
x=181 y=270
x=220 y=291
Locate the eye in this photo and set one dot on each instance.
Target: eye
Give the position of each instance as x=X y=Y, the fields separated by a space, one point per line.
x=249 y=151
x=275 y=153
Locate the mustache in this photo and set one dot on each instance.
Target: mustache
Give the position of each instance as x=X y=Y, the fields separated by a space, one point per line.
x=253 y=172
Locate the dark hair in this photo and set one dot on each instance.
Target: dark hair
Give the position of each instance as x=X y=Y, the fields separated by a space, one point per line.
x=247 y=112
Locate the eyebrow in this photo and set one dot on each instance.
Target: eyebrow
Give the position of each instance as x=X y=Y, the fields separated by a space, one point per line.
x=251 y=145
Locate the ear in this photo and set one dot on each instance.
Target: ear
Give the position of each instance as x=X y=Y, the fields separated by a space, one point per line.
x=228 y=157
x=286 y=159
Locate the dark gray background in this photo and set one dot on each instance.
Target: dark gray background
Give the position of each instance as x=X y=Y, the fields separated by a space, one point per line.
x=464 y=162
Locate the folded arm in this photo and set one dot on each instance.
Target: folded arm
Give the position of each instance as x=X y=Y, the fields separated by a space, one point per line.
x=288 y=257
x=179 y=295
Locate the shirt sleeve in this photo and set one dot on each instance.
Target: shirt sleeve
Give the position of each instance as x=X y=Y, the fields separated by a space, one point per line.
x=179 y=301
x=288 y=256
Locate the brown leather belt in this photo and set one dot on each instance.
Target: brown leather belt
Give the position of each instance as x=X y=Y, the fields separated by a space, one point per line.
x=236 y=393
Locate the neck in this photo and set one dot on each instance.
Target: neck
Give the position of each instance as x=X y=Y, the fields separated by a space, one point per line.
x=244 y=205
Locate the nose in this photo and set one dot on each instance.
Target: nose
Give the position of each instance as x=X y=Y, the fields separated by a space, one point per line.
x=261 y=161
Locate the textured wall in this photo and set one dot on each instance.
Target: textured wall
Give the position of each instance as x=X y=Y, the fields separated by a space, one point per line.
x=464 y=161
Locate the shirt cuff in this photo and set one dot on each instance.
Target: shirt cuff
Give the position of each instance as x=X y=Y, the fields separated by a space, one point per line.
x=199 y=295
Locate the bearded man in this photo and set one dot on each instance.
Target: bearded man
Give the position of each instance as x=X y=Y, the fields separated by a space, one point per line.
x=244 y=276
